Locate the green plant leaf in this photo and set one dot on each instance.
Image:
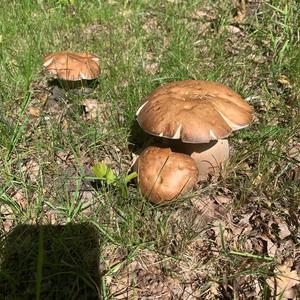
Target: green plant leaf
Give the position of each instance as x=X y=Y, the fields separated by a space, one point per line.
x=102 y=171
x=130 y=176
x=110 y=176
x=99 y=170
x=123 y=189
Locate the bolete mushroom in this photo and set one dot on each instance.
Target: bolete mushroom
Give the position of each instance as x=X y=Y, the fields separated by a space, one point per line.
x=195 y=112
x=72 y=66
x=163 y=175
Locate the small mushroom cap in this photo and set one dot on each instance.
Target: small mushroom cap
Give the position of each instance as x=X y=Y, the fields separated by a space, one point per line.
x=194 y=111
x=163 y=175
x=73 y=66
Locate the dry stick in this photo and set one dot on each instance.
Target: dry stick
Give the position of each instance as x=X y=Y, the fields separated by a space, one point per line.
x=250 y=255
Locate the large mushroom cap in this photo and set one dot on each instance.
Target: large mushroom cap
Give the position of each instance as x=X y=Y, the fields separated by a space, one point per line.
x=163 y=175
x=73 y=66
x=194 y=111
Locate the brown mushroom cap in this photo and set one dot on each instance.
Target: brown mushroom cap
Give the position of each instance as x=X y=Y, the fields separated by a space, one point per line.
x=194 y=111
x=163 y=175
x=208 y=157
x=73 y=66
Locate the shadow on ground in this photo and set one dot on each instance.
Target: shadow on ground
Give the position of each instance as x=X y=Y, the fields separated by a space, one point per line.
x=139 y=139
x=74 y=84
x=50 y=262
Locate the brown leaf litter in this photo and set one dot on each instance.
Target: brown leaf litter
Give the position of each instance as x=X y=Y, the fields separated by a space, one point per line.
x=144 y=278
x=187 y=266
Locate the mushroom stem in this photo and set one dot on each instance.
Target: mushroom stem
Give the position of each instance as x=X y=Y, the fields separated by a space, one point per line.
x=209 y=157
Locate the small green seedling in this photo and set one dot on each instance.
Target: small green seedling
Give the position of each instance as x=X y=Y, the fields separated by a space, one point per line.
x=103 y=172
x=106 y=174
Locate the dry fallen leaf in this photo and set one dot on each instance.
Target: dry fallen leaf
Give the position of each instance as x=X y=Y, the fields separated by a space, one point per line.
x=240 y=6
x=199 y=14
x=294 y=152
x=204 y=28
x=259 y=59
x=134 y=158
x=208 y=208
x=34 y=112
x=222 y=200
x=269 y=245
x=296 y=175
x=233 y=29
x=214 y=289
x=94 y=109
x=52 y=106
x=6 y=210
x=283 y=230
x=285 y=281
x=32 y=169
x=283 y=80
x=6 y=214
x=20 y=199
x=151 y=25
x=206 y=14
x=7 y=224
x=151 y=64
x=65 y=124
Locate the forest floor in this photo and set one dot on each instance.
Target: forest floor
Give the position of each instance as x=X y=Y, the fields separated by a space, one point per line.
x=235 y=236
